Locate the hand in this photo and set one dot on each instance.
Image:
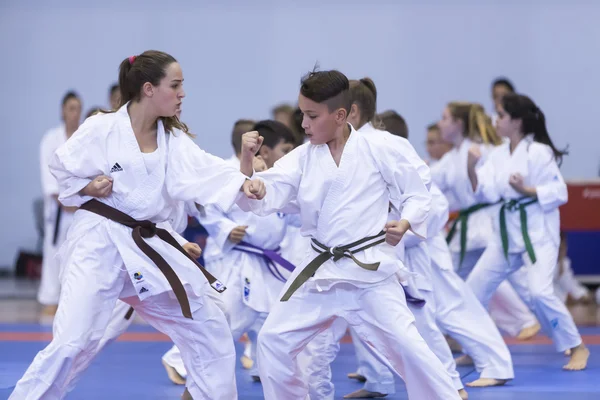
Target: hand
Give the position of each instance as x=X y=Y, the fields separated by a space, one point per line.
x=237 y=234
x=254 y=189
x=251 y=142
x=193 y=249
x=259 y=164
x=517 y=182
x=101 y=186
x=395 y=230
x=474 y=156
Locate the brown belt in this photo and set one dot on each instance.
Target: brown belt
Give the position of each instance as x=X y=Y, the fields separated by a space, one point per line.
x=148 y=229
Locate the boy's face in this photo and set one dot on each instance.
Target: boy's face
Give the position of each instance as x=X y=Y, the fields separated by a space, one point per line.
x=271 y=155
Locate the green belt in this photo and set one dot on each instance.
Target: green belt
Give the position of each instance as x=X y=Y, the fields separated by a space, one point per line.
x=463 y=217
x=337 y=253
x=513 y=205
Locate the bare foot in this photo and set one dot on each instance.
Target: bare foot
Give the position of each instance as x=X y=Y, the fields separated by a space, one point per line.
x=186 y=395
x=487 y=382
x=247 y=362
x=364 y=394
x=358 y=377
x=568 y=353
x=463 y=394
x=455 y=347
x=464 y=360
x=173 y=374
x=579 y=358
x=529 y=332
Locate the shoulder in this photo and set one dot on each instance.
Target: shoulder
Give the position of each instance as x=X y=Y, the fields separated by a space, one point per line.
x=540 y=150
x=382 y=141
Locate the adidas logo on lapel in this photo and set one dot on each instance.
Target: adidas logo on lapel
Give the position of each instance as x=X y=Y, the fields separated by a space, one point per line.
x=116 y=168
x=143 y=290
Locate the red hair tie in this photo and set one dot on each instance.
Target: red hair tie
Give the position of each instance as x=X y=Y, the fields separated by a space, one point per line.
x=131 y=60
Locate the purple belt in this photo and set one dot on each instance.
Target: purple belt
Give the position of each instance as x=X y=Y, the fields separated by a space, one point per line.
x=272 y=257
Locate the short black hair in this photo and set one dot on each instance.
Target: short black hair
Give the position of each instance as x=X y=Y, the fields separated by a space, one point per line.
x=503 y=82
x=329 y=87
x=274 y=132
x=71 y=94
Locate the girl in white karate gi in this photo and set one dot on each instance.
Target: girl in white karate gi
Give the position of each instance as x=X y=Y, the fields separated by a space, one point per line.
x=57 y=218
x=464 y=124
x=343 y=182
x=128 y=167
x=522 y=176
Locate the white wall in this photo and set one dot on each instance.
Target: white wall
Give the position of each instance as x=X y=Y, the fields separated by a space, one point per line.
x=242 y=57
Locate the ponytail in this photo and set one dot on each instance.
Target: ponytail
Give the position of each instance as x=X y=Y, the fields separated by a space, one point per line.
x=480 y=126
x=363 y=93
x=477 y=125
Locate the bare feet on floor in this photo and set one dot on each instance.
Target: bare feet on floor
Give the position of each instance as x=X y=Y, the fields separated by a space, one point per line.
x=529 y=332
x=173 y=374
x=247 y=362
x=358 y=377
x=487 y=382
x=364 y=394
x=579 y=358
x=186 y=395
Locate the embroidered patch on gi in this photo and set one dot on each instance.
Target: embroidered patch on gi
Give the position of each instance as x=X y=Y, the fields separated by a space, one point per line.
x=138 y=276
x=554 y=323
x=246 y=288
x=218 y=286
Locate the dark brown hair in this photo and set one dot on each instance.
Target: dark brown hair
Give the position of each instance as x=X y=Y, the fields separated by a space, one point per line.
x=364 y=94
x=532 y=119
x=329 y=87
x=150 y=66
x=394 y=123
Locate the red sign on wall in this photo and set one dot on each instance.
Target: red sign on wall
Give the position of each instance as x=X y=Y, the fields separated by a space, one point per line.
x=582 y=211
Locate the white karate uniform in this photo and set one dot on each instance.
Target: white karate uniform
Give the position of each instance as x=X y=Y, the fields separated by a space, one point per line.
x=49 y=290
x=536 y=163
x=122 y=316
x=213 y=256
x=252 y=287
x=451 y=176
x=340 y=205
x=100 y=262
x=458 y=312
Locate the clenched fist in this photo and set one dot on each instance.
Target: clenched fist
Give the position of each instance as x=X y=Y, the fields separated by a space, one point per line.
x=254 y=189
x=395 y=230
x=101 y=186
x=237 y=234
x=251 y=142
x=193 y=249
